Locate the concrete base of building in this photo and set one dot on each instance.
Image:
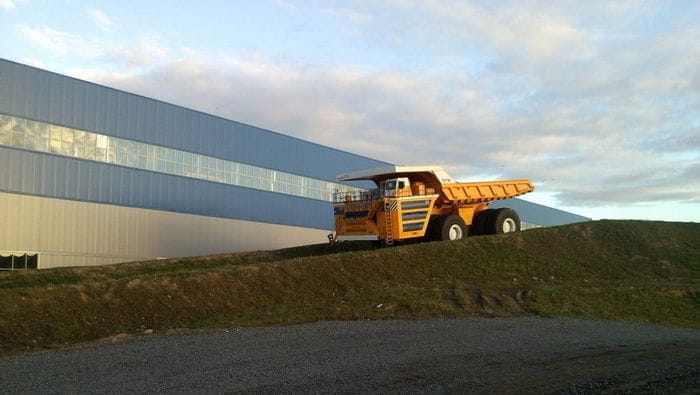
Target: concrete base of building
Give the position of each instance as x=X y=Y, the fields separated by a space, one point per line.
x=70 y=233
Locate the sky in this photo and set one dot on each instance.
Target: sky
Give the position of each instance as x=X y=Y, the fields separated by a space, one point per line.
x=597 y=102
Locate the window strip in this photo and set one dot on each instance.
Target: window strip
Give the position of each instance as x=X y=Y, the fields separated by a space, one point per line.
x=58 y=140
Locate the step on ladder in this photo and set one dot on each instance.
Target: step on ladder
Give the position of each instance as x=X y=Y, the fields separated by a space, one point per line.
x=387 y=223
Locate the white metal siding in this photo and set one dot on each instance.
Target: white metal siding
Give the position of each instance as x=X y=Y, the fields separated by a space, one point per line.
x=70 y=233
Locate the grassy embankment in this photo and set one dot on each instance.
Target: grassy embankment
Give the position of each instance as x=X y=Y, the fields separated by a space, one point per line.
x=626 y=270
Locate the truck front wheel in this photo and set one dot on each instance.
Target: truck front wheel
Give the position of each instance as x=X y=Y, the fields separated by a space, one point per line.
x=453 y=228
x=434 y=231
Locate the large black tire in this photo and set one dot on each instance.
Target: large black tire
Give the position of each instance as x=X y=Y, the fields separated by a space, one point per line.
x=503 y=220
x=479 y=222
x=453 y=228
x=434 y=227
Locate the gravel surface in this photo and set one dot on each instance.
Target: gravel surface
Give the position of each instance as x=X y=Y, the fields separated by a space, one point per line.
x=437 y=355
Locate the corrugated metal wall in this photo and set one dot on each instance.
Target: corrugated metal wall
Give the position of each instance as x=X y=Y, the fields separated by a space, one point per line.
x=40 y=95
x=48 y=175
x=68 y=233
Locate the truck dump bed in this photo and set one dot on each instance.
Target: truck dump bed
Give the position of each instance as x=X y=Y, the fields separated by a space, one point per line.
x=482 y=192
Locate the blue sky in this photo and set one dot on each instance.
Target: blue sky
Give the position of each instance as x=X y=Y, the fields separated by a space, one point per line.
x=597 y=102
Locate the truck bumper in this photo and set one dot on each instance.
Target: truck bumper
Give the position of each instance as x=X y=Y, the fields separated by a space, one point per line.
x=357 y=238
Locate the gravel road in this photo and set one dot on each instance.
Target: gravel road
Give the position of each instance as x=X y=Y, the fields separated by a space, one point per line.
x=436 y=355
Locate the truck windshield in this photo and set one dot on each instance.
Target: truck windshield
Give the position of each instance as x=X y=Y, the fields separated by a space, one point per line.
x=390 y=185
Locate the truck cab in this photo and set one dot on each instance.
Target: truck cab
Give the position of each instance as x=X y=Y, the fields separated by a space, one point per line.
x=396 y=187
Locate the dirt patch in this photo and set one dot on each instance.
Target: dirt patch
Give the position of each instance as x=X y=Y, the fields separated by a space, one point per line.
x=134 y=283
x=249 y=268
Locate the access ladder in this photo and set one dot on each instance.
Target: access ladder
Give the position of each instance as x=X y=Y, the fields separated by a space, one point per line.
x=389 y=237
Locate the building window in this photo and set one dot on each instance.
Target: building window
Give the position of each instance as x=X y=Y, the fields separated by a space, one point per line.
x=38 y=136
x=16 y=261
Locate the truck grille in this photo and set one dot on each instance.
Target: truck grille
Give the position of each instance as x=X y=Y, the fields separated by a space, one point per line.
x=413 y=226
x=415 y=204
x=413 y=216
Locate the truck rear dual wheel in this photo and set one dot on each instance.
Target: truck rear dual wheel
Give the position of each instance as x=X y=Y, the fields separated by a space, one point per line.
x=479 y=222
x=493 y=221
x=503 y=220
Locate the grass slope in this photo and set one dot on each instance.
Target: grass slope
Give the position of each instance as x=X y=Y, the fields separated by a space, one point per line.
x=629 y=270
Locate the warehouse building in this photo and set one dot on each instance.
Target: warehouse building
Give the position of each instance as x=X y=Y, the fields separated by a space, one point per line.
x=92 y=175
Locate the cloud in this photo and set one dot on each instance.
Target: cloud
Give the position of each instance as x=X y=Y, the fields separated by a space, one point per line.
x=285 y=4
x=10 y=4
x=60 y=42
x=347 y=13
x=515 y=28
x=145 y=51
x=101 y=20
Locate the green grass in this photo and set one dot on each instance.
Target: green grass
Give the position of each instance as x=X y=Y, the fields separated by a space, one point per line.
x=628 y=270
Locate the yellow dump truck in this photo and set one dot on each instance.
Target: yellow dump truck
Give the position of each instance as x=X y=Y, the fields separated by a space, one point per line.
x=422 y=203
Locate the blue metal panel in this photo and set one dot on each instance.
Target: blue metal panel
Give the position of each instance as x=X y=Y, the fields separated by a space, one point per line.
x=71 y=183
x=538 y=214
x=88 y=181
x=15 y=167
x=44 y=96
x=27 y=176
